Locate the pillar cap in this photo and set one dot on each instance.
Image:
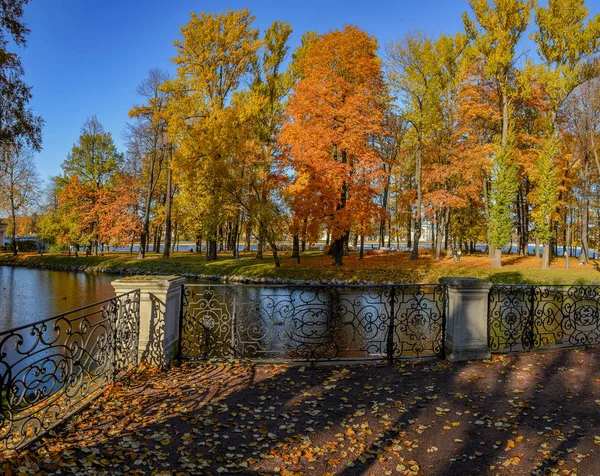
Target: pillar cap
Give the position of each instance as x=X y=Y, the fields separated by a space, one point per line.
x=148 y=282
x=466 y=282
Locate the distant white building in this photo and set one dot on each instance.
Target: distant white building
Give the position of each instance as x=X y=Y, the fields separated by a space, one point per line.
x=3 y=228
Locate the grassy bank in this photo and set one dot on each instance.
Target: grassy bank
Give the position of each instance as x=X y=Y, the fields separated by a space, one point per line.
x=314 y=265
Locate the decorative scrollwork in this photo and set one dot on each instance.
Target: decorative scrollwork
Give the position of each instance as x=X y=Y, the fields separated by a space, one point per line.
x=526 y=317
x=52 y=368
x=311 y=323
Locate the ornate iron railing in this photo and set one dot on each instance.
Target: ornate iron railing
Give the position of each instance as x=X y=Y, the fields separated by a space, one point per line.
x=53 y=368
x=527 y=317
x=312 y=322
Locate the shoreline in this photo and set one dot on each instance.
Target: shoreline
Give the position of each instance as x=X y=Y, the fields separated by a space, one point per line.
x=216 y=278
x=316 y=268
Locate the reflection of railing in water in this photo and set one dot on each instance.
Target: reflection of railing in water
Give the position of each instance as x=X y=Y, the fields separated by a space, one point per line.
x=52 y=368
x=312 y=322
x=527 y=317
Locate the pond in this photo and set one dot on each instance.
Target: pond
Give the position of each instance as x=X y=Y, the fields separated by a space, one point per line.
x=29 y=295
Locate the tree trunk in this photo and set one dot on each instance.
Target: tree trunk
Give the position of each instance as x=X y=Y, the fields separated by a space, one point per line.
x=409 y=234
x=158 y=239
x=248 y=236
x=497 y=263
x=439 y=235
x=295 y=246
x=146 y=221
x=15 y=248
x=537 y=247
x=167 y=251
x=275 y=254
x=235 y=233
x=491 y=247
x=259 y=250
x=198 y=243
x=417 y=234
x=546 y=256
x=585 y=214
x=338 y=250
x=211 y=246
x=362 y=247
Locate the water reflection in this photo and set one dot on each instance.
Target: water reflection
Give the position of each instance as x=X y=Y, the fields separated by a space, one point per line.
x=29 y=295
x=311 y=322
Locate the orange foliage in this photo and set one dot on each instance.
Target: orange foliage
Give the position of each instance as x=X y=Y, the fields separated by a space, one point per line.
x=335 y=108
x=103 y=214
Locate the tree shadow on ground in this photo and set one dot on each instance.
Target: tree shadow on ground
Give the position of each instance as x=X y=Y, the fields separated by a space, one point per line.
x=521 y=413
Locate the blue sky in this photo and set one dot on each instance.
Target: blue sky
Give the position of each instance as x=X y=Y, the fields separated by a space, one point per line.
x=87 y=57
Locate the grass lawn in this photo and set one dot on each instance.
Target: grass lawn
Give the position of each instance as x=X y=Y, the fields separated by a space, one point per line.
x=314 y=265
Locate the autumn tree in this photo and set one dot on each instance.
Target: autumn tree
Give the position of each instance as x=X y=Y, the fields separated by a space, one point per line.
x=495 y=33
x=19 y=185
x=334 y=110
x=564 y=40
x=216 y=52
x=423 y=73
x=148 y=133
x=92 y=165
x=254 y=175
x=581 y=113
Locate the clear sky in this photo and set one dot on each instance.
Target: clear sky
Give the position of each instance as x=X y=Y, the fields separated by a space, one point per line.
x=87 y=57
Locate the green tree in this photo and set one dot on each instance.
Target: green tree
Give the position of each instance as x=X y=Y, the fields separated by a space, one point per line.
x=546 y=196
x=94 y=159
x=495 y=33
x=564 y=40
x=502 y=195
x=18 y=124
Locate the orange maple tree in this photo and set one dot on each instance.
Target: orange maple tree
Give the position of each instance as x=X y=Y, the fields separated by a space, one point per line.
x=334 y=110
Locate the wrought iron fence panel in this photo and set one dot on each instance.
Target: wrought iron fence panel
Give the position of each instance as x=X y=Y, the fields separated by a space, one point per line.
x=320 y=322
x=206 y=328
x=51 y=369
x=527 y=317
x=420 y=319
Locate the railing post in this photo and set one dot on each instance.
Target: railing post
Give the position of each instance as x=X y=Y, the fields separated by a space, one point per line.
x=391 y=326
x=160 y=306
x=467 y=319
x=529 y=331
x=114 y=322
x=181 y=316
x=233 y=324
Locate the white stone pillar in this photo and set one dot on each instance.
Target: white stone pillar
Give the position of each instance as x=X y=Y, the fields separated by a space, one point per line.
x=3 y=228
x=160 y=305
x=467 y=320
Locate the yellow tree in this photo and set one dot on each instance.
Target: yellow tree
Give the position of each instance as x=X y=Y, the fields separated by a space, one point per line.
x=216 y=52
x=149 y=134
x=564 y=40
x=254 y=178
x=496 y=31
x=421 y=74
